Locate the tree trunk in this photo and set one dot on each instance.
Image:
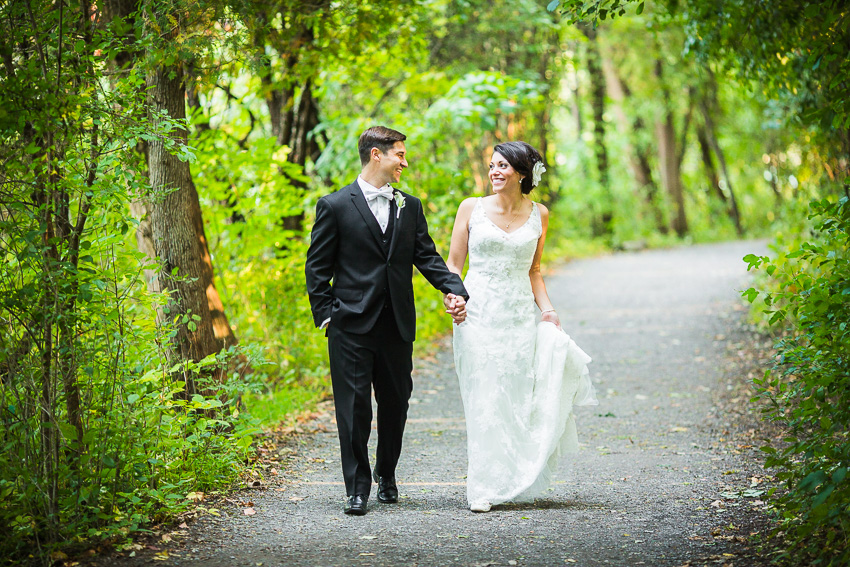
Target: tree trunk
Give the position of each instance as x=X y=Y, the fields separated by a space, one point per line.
x=711 y=136
x=177 y=238
x=575 y=106
x=638 y=156
x=48 y=429
x=597 y=103
x=708 y=164
x=671 y=178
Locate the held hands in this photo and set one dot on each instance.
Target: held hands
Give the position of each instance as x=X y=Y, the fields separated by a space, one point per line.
x=456 y=307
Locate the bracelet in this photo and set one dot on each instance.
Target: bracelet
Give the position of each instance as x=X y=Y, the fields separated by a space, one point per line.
x=547 y=311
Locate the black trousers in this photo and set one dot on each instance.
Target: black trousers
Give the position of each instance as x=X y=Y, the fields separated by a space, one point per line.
x=379 y=358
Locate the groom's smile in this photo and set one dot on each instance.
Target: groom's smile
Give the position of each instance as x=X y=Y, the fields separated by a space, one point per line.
x=394 y=161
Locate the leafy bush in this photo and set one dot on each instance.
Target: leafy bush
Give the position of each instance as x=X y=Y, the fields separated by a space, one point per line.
x=808 y=389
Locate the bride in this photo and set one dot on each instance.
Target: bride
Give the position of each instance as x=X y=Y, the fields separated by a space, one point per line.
x=519 y=380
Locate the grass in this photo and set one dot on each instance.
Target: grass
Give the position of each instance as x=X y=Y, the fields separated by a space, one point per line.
x=275 y=406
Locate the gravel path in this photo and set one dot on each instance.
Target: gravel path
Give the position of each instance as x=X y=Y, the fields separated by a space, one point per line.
x=657 y=481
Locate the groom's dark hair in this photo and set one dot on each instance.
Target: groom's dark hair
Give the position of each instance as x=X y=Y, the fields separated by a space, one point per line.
x=379 y=137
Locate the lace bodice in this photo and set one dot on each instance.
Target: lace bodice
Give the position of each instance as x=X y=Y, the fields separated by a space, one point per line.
x=497 y=279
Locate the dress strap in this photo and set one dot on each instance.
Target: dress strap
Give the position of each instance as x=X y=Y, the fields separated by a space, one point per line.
x=477 y=210
x=536 y=221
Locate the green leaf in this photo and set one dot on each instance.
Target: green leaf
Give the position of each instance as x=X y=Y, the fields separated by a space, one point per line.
x=824 y=494
x=68 y=431
x=639 y=10
x=812 y=481
x=750 y=294
x=553 y=5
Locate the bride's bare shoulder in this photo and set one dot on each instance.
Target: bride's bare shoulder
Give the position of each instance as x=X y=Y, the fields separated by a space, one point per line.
x=467 y=205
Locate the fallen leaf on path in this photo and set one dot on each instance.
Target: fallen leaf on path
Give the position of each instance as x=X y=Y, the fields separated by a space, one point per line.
x=249 y=511
x=679 y=429
x=296 y=498
x=368 y=537
x=183 y=526
x=195 y=496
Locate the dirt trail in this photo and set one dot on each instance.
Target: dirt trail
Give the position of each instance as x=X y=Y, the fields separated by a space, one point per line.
x=656 y=481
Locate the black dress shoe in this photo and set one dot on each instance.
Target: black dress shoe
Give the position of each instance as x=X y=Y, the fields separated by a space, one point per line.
x=356 y=505
x=387 y=489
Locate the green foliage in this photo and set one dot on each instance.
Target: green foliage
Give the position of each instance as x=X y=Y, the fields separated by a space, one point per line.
x=808 y=390
x=98 y=437
x=795 y=51
x=594 y=10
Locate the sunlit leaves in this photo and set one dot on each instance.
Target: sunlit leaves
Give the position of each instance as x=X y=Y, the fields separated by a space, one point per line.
x=593 y=11
x=807 y=389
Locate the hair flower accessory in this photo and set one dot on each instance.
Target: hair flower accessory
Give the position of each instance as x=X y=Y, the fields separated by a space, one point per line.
x=537 y=172
x=399 y=202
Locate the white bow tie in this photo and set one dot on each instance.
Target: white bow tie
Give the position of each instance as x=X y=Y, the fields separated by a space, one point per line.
x=386 y=192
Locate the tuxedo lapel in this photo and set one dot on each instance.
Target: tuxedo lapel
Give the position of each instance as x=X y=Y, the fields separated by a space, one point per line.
x=399 y=220
x=363 y=208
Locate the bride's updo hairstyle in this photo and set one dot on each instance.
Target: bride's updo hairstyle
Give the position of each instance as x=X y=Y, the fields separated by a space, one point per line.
x=522 y=157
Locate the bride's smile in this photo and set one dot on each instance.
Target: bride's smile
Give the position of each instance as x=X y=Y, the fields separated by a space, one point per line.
x=502 y=174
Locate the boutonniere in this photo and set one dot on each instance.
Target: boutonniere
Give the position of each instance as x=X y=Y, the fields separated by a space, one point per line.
x=399 y=202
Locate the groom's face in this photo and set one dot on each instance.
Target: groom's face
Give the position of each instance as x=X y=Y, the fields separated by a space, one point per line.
x=393 y=162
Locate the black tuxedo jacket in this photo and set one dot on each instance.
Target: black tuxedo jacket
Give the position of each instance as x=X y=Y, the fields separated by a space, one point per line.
x=346 y=247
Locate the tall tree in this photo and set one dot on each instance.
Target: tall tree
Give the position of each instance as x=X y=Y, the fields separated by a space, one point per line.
x=637 y=150
x=707 y=138
x=593 y=61
x=669 y=156
x=171 y=228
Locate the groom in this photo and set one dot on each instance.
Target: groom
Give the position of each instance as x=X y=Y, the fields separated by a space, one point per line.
x=366 y=239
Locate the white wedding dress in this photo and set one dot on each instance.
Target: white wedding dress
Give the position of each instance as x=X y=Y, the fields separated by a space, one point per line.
x=519 y=379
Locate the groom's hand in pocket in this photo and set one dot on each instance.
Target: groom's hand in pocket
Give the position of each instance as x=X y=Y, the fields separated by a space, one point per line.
x=456 y=307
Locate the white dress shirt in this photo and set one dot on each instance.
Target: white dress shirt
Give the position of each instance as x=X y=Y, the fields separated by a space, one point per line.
x=379 y=206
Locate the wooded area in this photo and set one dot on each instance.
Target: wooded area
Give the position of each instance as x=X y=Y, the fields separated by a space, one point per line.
x=161 y=160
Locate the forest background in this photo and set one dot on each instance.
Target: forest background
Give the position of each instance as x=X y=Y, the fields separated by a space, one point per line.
x=161 y=160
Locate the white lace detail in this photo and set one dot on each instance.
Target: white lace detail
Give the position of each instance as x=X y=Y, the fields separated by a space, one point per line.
x=518 y=380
